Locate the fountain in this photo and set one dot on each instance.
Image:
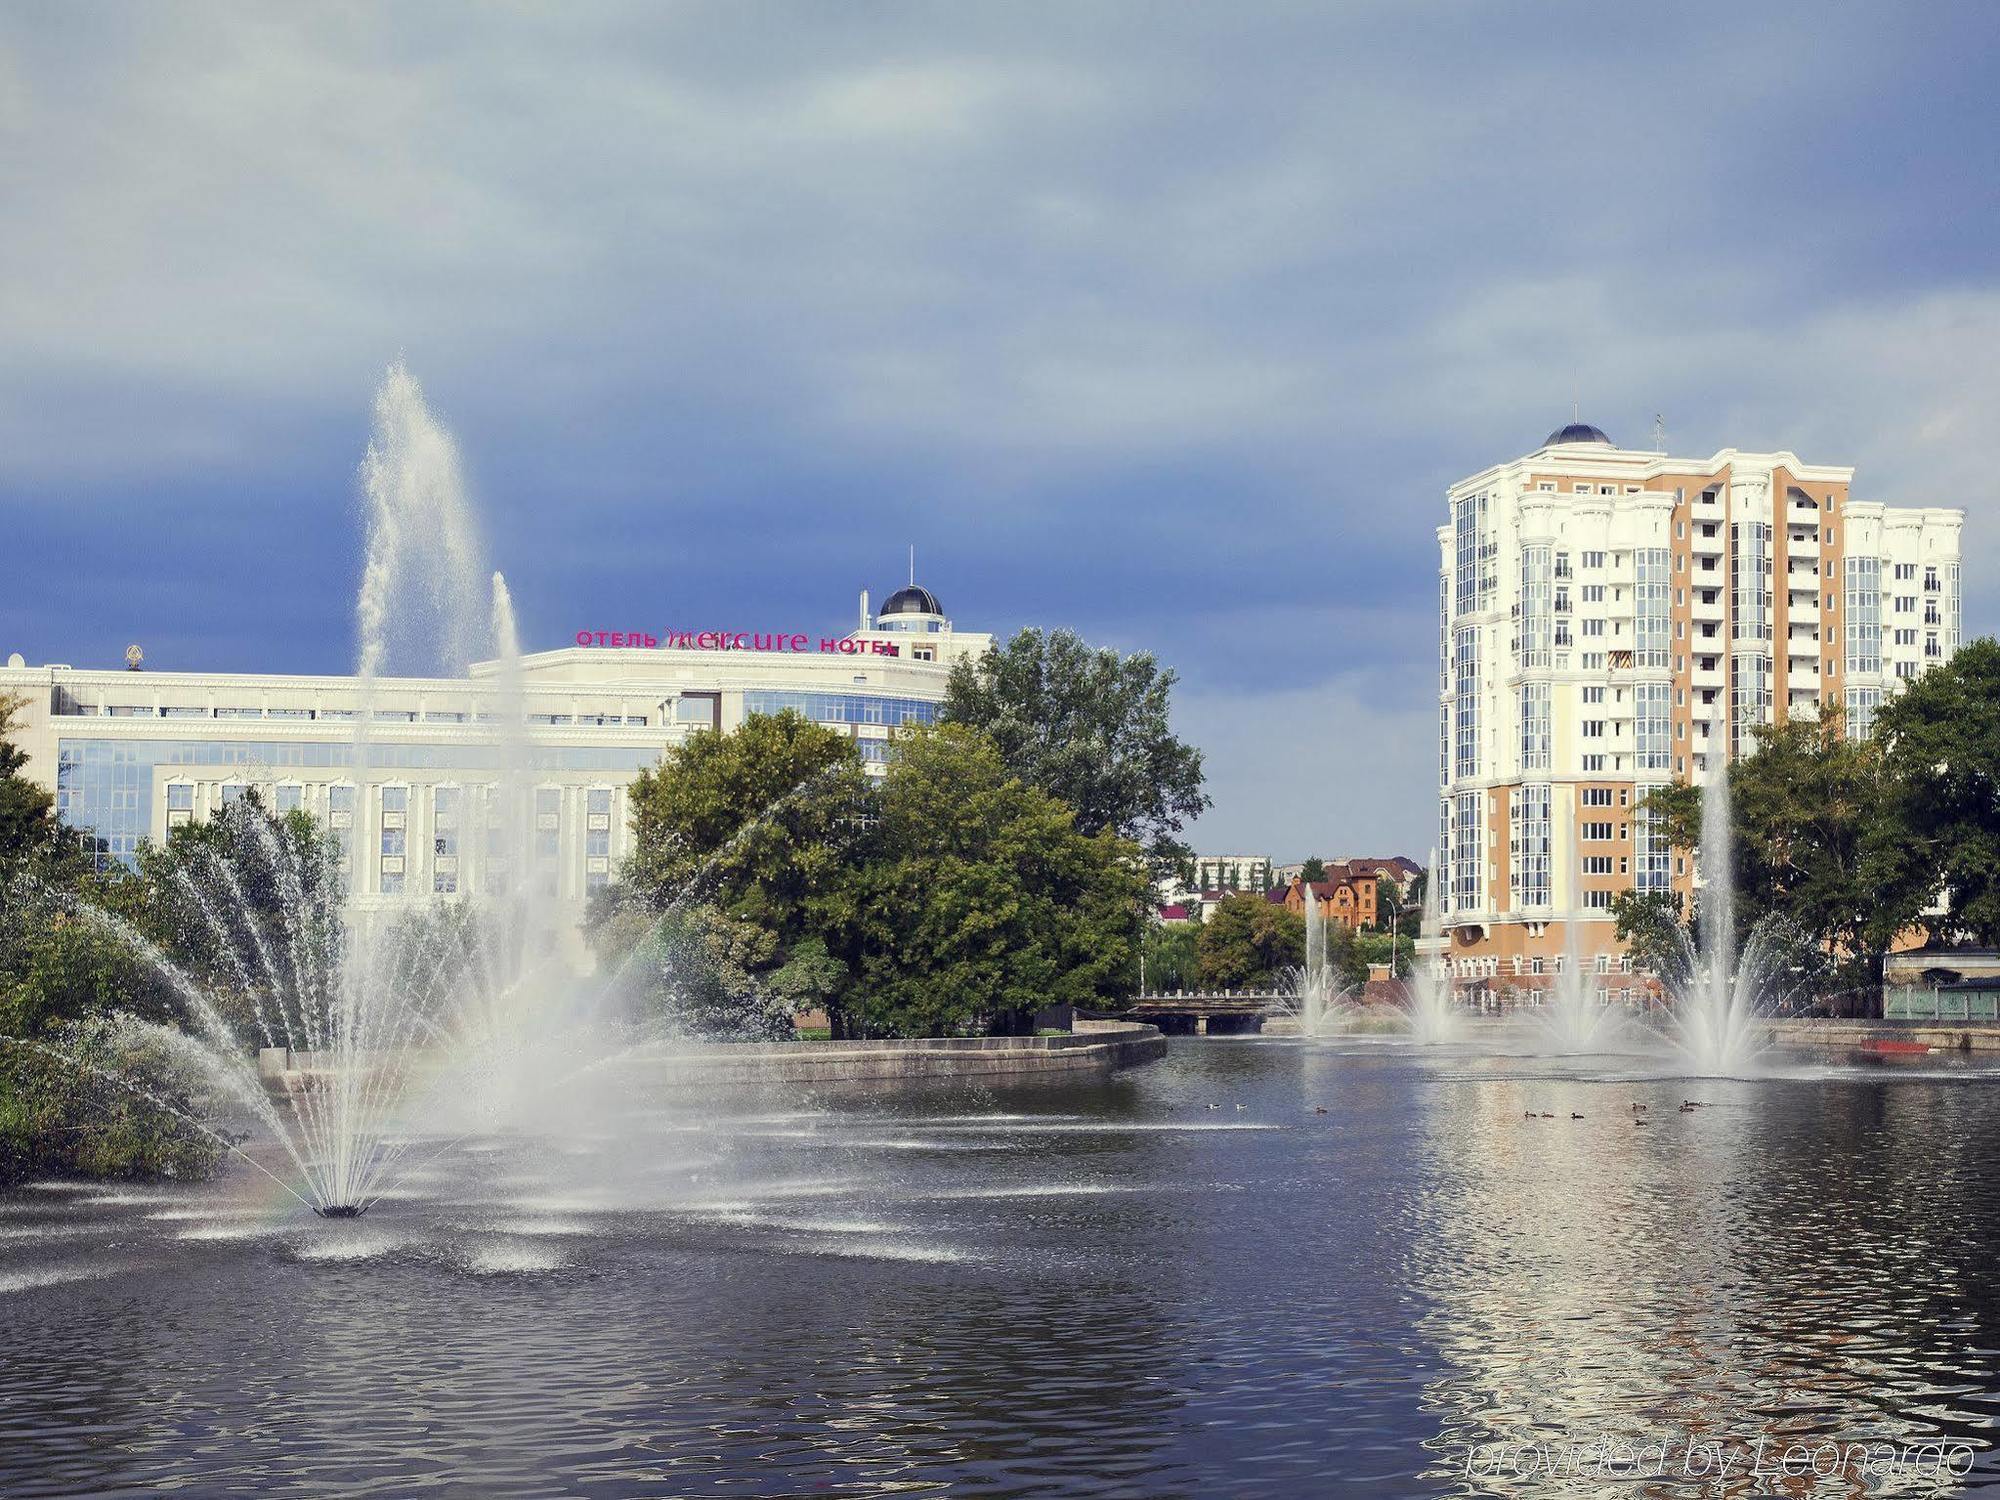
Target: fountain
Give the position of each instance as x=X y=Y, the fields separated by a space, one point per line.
x=369 y=1025
x=1576 y=1022
x=1428 y=1014
x=1720 y=996
x=1314 y=994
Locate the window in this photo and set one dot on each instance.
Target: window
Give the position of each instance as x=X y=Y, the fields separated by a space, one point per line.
x=290 y=799
x=1597 y=796
x=1531 y=844
x=1593 y=593
x=597 y=823
x=1593 y=627
x=1593 y=695
x=446 y=802
x=1597 y=864
x=180 y=797
x=1597 y=832
x=1597 y=900
x=1593 y=729
x=1593 y=559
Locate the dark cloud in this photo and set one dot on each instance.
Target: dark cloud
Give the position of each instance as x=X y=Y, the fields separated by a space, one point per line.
x=1168 y=322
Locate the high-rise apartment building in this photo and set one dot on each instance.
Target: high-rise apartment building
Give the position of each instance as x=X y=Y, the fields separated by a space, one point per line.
x=1609 y=620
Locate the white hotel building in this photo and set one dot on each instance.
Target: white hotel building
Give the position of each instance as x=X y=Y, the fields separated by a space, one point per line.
x=1598 y=607
x=130 y=755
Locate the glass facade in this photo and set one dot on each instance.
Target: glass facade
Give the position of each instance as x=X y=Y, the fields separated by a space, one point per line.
x=1652 y=627
x=1651 y=852
x=105 y=787
x=1652 y=726
x=1750 y=580
x=1467 y=718
x=1861 y=705
x=1468 y=851
x=842 y=708
x=1537 y=618
x=1529 y=844
x=1864 y=616
x=1535 y=736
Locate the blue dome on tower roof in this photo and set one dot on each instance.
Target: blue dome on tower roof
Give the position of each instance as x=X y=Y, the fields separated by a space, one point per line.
x=1577 y=432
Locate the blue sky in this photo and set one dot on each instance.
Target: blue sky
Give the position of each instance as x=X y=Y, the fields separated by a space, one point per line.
x=1168 y=323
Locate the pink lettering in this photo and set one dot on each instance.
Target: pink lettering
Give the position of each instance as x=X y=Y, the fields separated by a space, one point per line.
x=583 y=637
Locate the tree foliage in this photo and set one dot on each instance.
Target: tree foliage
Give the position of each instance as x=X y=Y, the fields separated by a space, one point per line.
x=1089 y=728
x=1939 y=833
x=1806 y=844
x=26 y=817
x=982 y=901
x=1172 y=957
x=1249 y=940
x=950 y=895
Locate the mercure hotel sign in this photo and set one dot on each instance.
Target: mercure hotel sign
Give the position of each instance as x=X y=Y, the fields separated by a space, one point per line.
x=732 y=640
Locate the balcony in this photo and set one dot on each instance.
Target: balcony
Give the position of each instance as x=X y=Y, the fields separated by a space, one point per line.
x=1802 y=680
x=1699 y=543
x=1710 y=677
x=1708 y=613
x=1803 y=643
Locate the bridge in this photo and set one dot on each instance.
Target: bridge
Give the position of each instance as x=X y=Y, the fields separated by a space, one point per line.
x=1209 y=1013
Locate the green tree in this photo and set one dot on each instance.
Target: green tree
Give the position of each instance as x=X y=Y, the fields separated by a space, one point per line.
x=1249 y=940
x=761 y=824
x=1804 y=811
x=1648 y=923
x=1387 y=900
x=1091 y=729
x=1171 y=956
x=1940 y=830
x=1400 y=954
x=27 y=819
x=1345 y=956
x=981 y=901
x=1313 y=870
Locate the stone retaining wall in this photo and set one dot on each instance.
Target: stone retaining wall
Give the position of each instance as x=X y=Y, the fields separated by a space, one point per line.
x=1955 y=1036
x=1115 y=1045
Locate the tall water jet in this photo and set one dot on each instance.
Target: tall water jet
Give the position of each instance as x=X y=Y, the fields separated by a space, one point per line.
x=1314 y=993
x=1576 y=1021
x=1428 y=1012
x=422 y=604
x=1718 y=995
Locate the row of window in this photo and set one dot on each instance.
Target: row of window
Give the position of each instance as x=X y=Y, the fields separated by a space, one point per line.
x=68 y=707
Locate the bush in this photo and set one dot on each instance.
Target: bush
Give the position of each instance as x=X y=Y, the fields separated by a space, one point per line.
x=101 y=1099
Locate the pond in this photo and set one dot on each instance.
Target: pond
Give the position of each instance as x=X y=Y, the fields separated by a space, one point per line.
x=1185 y=1280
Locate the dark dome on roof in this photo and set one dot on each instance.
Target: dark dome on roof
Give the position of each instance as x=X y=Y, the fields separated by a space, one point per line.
x=1578 y=432
x=912 y=601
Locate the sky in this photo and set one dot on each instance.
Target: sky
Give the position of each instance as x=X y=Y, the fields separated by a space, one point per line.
x=1167 y=323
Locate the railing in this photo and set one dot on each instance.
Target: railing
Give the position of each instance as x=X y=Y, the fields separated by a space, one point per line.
x=1911 y=1002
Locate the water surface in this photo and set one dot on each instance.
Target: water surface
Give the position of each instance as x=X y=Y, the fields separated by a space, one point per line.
x=1181 y=1282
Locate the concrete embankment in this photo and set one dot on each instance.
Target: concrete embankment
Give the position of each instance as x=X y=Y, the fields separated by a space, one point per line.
x=1100 y=1049
x=1953 y=1036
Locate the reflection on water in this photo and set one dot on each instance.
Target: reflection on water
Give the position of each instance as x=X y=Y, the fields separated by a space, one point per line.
x=1104 y=1289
